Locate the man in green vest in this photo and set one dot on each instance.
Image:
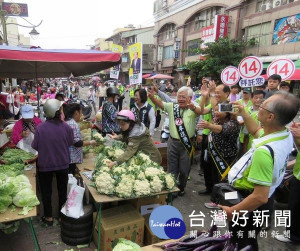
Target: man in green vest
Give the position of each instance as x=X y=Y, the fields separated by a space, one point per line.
x=294 y=198
x=258 y=173
x=121 y=89
x=182 y=120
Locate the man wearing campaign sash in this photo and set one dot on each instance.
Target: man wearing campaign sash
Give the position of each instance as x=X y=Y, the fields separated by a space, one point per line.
x=260 y=171
x=182 y=117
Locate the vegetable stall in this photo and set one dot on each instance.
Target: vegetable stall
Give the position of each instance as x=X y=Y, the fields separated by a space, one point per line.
x=137 y=178
x=18 y=198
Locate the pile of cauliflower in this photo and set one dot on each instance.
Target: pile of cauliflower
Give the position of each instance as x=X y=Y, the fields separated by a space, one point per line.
x=138 y=177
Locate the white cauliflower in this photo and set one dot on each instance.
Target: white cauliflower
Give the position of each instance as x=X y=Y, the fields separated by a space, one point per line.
x=105 y=169
x=98 y=137
x=127 y=178
x=124 y=189
x=133 y=168
x=133 y=161
x=111 y=152
x=119 y=170
x=141 y=187
x=118 y=153
x=170 y=182
x=141 y=176
x=105 y=183
x=152 y=171
x=145 y=158
x=156 y=185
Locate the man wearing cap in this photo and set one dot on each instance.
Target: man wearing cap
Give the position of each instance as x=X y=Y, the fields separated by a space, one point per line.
x=26 y=125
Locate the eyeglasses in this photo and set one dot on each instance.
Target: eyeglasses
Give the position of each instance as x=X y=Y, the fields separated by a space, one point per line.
x=266 y=109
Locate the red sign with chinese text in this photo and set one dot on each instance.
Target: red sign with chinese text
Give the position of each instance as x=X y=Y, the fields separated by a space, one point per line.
x=221 y=26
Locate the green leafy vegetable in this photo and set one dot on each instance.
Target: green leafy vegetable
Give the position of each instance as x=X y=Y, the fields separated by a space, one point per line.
x=16 y=156
x=26 y=197
x=126 y=245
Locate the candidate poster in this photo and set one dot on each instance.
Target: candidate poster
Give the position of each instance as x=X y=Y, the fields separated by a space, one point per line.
x=136 y=64
x=287 y=30
x=114 y=71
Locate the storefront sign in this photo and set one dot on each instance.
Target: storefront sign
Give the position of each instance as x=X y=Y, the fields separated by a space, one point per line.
x=207 y=36
x=15 y=9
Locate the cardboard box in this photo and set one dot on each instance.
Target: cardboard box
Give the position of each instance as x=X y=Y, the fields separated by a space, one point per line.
x=151 y=200
x=149 y=237
x=119 y=222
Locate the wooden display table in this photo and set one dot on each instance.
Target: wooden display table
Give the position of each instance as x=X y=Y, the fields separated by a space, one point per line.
x=99 y=199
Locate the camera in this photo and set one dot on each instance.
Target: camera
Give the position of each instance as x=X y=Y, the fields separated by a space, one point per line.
x=226 y=108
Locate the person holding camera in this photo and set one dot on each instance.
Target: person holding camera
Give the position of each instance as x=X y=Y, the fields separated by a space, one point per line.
x=222 y=149
x=260 y=171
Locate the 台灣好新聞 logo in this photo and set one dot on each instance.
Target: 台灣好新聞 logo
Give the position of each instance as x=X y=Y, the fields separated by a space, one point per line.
x=166 y=222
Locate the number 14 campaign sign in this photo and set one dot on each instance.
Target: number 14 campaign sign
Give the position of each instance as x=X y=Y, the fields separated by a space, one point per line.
x=250 y=67
x=283 y=67
x=230 y=76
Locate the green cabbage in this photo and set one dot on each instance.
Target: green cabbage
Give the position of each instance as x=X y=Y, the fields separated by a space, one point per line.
x=26 y=197
x=5 y=201
x=126 y=245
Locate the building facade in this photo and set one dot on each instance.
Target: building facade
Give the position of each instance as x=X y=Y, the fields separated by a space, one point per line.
x=180 y=25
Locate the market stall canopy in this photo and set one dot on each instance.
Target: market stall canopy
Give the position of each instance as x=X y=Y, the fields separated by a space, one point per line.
x=160 y=76
x=296 y=75
x=17 y=62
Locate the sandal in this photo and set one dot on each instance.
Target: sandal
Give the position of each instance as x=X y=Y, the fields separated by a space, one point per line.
x=47 y=222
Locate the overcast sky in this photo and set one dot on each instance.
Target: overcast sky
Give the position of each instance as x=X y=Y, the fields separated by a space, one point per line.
x=75 y=24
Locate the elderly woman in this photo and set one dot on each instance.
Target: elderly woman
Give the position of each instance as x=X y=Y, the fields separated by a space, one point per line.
x=26 y=125
x=222 y=147
x=144 y=111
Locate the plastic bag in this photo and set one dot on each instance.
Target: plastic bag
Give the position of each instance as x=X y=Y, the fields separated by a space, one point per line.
x=25 y=144
x=74 y=204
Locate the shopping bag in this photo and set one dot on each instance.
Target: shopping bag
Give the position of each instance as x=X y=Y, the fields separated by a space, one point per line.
x=71 y=181
x=74 y=205
x=25 y=144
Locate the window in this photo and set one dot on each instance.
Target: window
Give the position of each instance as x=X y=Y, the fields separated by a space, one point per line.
x=261 y=33
x=168 y=52
x=167 y=32
x=191 y=46
x=204 y=18
x=263 y=5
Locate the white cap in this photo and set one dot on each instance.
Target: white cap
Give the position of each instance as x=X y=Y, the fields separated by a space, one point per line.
x=27 y=112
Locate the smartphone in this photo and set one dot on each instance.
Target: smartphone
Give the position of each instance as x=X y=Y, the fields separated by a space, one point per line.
x=226 y=108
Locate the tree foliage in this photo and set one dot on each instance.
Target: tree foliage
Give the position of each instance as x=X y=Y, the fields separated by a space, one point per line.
x=219 y=55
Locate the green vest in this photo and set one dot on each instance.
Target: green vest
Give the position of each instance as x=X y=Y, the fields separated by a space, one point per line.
x=131 y=93
x=206 y=117
x=296 y=170
x=121 y=89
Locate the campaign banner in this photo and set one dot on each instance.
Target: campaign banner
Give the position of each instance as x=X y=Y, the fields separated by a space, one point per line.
x=115 y=71
x=136 y=66
x=15 y=9
x=287 y=30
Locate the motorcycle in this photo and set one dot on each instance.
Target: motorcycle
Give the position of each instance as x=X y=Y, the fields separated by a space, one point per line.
x=165 y=131
x=85 y=106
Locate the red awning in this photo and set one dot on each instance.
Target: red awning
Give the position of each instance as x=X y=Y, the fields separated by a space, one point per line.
x=19 y=62
x=296 y=75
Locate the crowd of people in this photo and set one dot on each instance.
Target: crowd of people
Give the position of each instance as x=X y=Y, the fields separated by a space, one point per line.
x=246 y=136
